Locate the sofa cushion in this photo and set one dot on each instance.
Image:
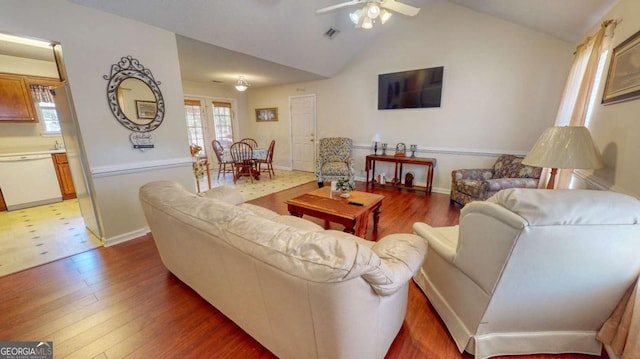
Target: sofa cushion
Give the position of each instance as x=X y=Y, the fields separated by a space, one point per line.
x=260 y=211
x=335 y=168
x=507 y=166
x=298 y=223
x=224 y=193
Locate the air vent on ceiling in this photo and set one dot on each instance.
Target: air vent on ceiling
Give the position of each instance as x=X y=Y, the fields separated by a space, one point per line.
x=331 y=33
x=216 y=81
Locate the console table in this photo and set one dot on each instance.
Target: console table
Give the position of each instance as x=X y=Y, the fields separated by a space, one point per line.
x=370 y=166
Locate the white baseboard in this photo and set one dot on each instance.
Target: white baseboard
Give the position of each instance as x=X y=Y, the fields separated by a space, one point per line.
x=108 y=242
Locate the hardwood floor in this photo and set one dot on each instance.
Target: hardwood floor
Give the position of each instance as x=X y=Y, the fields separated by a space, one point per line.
x=121 y=302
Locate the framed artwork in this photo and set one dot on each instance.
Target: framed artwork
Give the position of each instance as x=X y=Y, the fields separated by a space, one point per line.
x=266 y=114
x=623 y=79
x=146 y=109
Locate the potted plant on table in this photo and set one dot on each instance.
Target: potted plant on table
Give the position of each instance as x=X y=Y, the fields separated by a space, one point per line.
x=344 y=185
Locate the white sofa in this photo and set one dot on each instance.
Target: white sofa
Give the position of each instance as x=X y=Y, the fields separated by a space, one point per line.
x=299 y=290
x=532 y=271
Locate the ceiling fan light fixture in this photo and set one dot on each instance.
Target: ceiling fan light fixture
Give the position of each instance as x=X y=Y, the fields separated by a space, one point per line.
x=355 y=16
x=367 y=23
x=373 y=11
x=242 y=84
x=385 y=16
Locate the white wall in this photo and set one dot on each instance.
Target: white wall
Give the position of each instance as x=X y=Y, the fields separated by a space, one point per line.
x=502 y=88
x=615 y=127
x=92 y=41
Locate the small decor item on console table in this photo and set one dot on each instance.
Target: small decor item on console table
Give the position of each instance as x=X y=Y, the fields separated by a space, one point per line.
x=344 y=185
x=401 y=149
x=413 y=149
x=408 y=179
x=384 y=149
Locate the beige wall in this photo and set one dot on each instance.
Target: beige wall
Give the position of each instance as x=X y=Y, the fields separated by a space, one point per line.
x=502 y=87
x=92 y=41
x=615 y=128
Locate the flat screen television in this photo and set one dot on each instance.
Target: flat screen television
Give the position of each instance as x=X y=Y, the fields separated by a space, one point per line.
x=410 y=89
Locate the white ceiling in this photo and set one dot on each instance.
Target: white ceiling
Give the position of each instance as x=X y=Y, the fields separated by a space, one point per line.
x=282 y=41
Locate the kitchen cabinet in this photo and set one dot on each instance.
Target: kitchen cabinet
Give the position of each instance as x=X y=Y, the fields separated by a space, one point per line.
x=64 y=175
x=3 y=206
x=16 y=104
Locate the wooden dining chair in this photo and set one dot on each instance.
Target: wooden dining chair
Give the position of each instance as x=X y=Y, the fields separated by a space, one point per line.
x=222 y=160
x=268 y=160
x=243 y=162
x=250 y=141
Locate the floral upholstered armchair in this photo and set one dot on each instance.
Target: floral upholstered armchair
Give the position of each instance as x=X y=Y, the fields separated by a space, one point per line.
x=334 y=159
x=481 y=183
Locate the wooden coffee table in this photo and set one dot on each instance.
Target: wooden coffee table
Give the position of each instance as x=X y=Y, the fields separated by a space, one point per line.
x=327 y=205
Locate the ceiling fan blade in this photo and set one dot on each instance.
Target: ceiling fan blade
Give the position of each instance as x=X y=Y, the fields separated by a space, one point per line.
x=399 y=7
x=338 y=6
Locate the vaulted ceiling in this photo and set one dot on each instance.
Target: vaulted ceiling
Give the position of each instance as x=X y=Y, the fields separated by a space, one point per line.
x=283 y=41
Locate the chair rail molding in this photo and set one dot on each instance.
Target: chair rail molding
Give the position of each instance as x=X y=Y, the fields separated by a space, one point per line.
x=136 y=167
x=455 y=151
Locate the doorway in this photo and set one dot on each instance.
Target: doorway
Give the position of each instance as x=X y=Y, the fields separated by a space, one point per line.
x=303 y=132
x=40 y=234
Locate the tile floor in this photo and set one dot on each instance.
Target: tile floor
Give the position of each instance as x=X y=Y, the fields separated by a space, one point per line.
x=38 y=235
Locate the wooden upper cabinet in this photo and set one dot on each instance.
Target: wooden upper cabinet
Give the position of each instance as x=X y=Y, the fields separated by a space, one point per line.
x=16 y=104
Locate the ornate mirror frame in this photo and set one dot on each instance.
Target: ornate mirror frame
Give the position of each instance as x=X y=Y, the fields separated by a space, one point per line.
x=128 y=68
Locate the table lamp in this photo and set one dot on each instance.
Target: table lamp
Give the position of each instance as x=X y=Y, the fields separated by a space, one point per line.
x=564 y=147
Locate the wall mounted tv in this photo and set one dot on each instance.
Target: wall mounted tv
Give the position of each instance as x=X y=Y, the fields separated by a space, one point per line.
x=410 y=89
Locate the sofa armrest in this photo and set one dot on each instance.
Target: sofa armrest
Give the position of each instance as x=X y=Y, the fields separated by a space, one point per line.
x=401 y=255
x=442 y=240
x=477 y=174
x=498 y=184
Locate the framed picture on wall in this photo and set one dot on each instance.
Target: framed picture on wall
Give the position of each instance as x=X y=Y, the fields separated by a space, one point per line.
x=266 y=114
x=623 y=79
x=146 y=109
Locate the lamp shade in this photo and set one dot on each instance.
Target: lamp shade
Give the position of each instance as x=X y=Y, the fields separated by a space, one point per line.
x=565 y=147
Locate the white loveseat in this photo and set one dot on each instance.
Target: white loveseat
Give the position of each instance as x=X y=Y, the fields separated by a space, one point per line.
x=300 y=290
x=532 y=271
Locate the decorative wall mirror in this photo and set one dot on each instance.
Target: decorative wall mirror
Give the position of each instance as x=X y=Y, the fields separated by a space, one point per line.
x=134 y=96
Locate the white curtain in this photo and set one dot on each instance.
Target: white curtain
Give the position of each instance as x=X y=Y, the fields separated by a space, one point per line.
x=574 y=106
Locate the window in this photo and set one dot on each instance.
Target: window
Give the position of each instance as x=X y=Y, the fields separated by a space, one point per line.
x=46 y=109
x=193 y=114
x=222 y=117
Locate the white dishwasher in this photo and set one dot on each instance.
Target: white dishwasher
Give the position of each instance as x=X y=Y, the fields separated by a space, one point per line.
x=28 y=180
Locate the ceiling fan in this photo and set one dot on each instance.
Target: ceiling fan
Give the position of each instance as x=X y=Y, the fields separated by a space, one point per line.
x=372 y=10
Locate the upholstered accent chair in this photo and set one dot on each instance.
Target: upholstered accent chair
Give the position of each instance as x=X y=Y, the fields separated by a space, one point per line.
x=479 y=184
x=532 y=270
x=334 y=159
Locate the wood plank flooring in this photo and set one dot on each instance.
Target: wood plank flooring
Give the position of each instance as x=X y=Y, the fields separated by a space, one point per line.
x=120 y=301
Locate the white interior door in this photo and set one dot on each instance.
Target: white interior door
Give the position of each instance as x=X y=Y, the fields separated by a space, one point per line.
x=303 y=132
